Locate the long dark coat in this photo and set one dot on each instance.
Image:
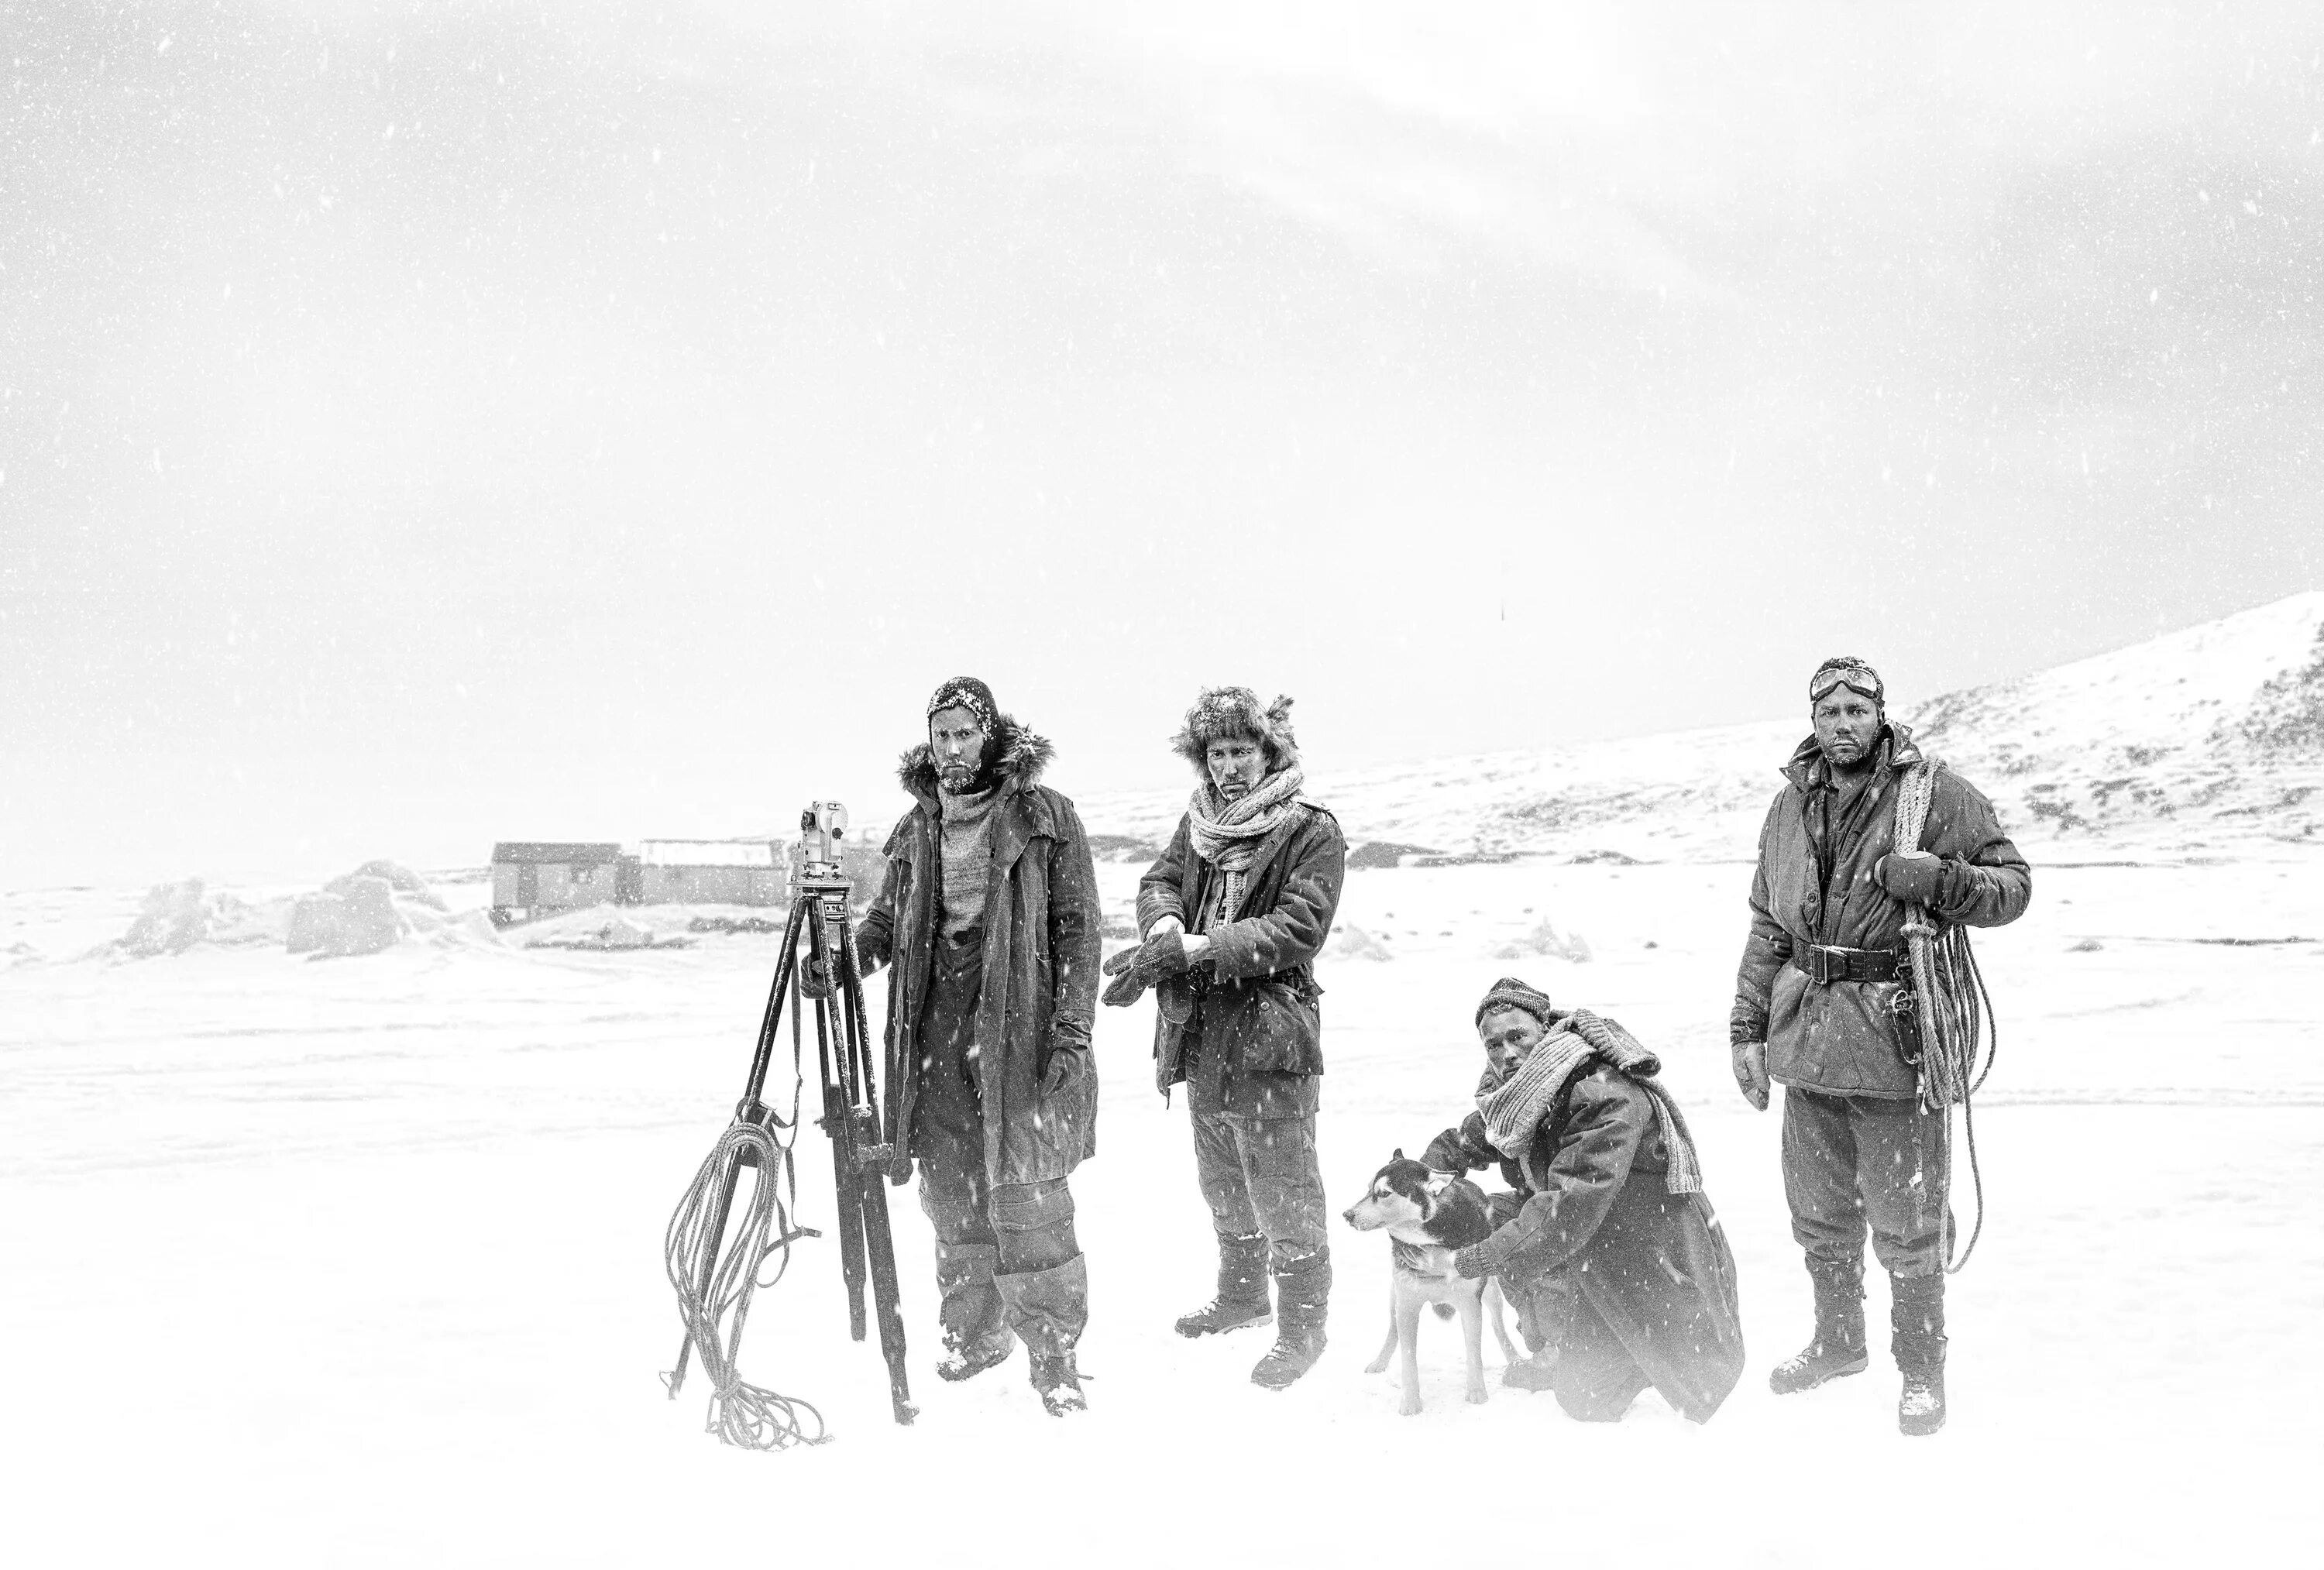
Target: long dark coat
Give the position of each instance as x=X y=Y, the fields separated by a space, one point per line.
x=1041 y=944
x=1600 y=1223
x=1257 y=1004
x=1814 y=884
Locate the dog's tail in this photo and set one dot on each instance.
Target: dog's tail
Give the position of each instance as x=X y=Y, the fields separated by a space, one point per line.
x=1443 y=1311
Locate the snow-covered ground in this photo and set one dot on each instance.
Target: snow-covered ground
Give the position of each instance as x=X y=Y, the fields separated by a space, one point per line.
x=358 y=1262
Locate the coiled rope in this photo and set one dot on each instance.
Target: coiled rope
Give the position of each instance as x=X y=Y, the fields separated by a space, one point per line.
x=1955 y=1011
x=741 y=1414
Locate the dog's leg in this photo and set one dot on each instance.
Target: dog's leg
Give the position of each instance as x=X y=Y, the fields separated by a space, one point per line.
x=1407 y=1337
x=1509 y=1351
x=1472 y=1341
x=1388 y=1345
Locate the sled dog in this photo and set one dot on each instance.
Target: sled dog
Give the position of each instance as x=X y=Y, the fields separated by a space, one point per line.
x=1426 y=1216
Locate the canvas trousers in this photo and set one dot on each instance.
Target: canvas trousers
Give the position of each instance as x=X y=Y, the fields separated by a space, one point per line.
x=1007 y=1259
x=1854 y=1163
x=1255 y=1159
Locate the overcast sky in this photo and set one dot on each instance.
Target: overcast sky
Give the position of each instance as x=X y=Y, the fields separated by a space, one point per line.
x=422 y=425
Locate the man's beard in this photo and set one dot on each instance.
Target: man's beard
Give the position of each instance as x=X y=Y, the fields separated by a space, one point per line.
x=961 y=779
x=1233 y=790
x=1842 y=755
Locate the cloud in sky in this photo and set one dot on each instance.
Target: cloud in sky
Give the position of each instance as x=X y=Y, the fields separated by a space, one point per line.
x=424 y=423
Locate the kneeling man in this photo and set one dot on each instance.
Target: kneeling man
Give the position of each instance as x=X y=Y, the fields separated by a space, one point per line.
x=1621 y=1274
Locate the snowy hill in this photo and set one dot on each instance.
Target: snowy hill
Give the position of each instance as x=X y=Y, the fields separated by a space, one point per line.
x=2205 y=740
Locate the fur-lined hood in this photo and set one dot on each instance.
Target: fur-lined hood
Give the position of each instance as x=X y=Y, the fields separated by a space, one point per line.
x=1235 y=712
x=1020 y=756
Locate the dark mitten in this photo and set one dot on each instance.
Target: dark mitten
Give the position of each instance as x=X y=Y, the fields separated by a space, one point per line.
x=1163 y=953
x=1063 y=1057
x=1445 y=1153
x=1130 y=981
x=1917 y=879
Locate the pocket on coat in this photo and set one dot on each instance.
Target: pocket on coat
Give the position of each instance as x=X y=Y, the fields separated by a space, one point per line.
x=1276 y=1028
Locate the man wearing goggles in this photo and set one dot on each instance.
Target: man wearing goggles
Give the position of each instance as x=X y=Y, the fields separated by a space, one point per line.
x=1817 y=1011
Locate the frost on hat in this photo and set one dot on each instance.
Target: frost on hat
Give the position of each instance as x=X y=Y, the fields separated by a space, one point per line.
x=965 y=692
x=1236 y=711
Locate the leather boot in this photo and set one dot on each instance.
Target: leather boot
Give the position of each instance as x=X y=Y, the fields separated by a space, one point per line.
x=1837 y=1349
x=1916 y=1319
x=1303 y=1293
x=1242 y=1290
x=1059 y=1384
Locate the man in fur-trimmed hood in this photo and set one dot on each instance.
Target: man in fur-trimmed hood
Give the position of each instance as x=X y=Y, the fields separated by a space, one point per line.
x=1233 y=915
x=988 y=917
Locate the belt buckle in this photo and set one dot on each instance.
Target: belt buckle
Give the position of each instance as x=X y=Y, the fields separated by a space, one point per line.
x=1820 y=970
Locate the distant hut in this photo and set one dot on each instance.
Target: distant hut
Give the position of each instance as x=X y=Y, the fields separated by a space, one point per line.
x=533 y=877
x=750 y=872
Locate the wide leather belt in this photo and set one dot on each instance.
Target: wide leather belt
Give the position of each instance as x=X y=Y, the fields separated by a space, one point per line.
x=1823 y=965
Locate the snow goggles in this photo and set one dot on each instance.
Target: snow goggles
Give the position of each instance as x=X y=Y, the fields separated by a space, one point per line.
x=1862 y=679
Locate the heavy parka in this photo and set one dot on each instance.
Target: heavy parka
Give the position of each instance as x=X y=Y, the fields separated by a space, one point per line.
x=1599 y=1224
x=1257 y=999
x=1040 y=950
x=1822 y=839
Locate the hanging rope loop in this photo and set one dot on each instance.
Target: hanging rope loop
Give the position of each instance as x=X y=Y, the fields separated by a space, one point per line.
x=1954 y=1011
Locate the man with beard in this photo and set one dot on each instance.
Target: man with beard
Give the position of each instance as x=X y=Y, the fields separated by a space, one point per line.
x=1817 y=1010
x=989 y=912
x=1233 y=915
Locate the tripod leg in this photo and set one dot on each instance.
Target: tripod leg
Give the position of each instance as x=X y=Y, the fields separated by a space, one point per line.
x=709 y=1270
x=881 y=1246
x=847 y=1181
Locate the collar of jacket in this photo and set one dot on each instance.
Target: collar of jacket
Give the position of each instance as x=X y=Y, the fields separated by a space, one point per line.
x=1023 y=756
x=1894 y=750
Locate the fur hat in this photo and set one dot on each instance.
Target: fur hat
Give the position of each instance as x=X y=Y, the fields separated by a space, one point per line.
x=1235 y=712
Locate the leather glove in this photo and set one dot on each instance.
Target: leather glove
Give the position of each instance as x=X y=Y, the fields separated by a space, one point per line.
x=1914 y=877
x=1063 y=1059
x=1751 y=1073
x=1464 y=1261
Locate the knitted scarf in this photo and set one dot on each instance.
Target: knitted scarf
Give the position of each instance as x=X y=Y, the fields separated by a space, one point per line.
x=965 y=846
x=1228 y=836
x=1514 y=1113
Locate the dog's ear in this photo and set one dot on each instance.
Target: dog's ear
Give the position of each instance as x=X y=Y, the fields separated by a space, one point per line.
x=1397 y=1154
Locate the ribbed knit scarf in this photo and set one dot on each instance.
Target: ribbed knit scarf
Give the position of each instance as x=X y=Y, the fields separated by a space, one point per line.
x=1513 y=1113
x=966 y=846
x=1227 y=836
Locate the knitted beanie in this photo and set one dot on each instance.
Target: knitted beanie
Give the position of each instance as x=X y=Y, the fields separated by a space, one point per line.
x=965 y=692
x=1509 y=992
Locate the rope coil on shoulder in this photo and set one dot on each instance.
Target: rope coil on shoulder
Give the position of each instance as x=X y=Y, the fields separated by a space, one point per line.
x=1955 y=1011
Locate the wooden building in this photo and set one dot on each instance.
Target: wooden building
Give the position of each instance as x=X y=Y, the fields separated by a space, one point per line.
x=534 y=878
x=752 y=872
